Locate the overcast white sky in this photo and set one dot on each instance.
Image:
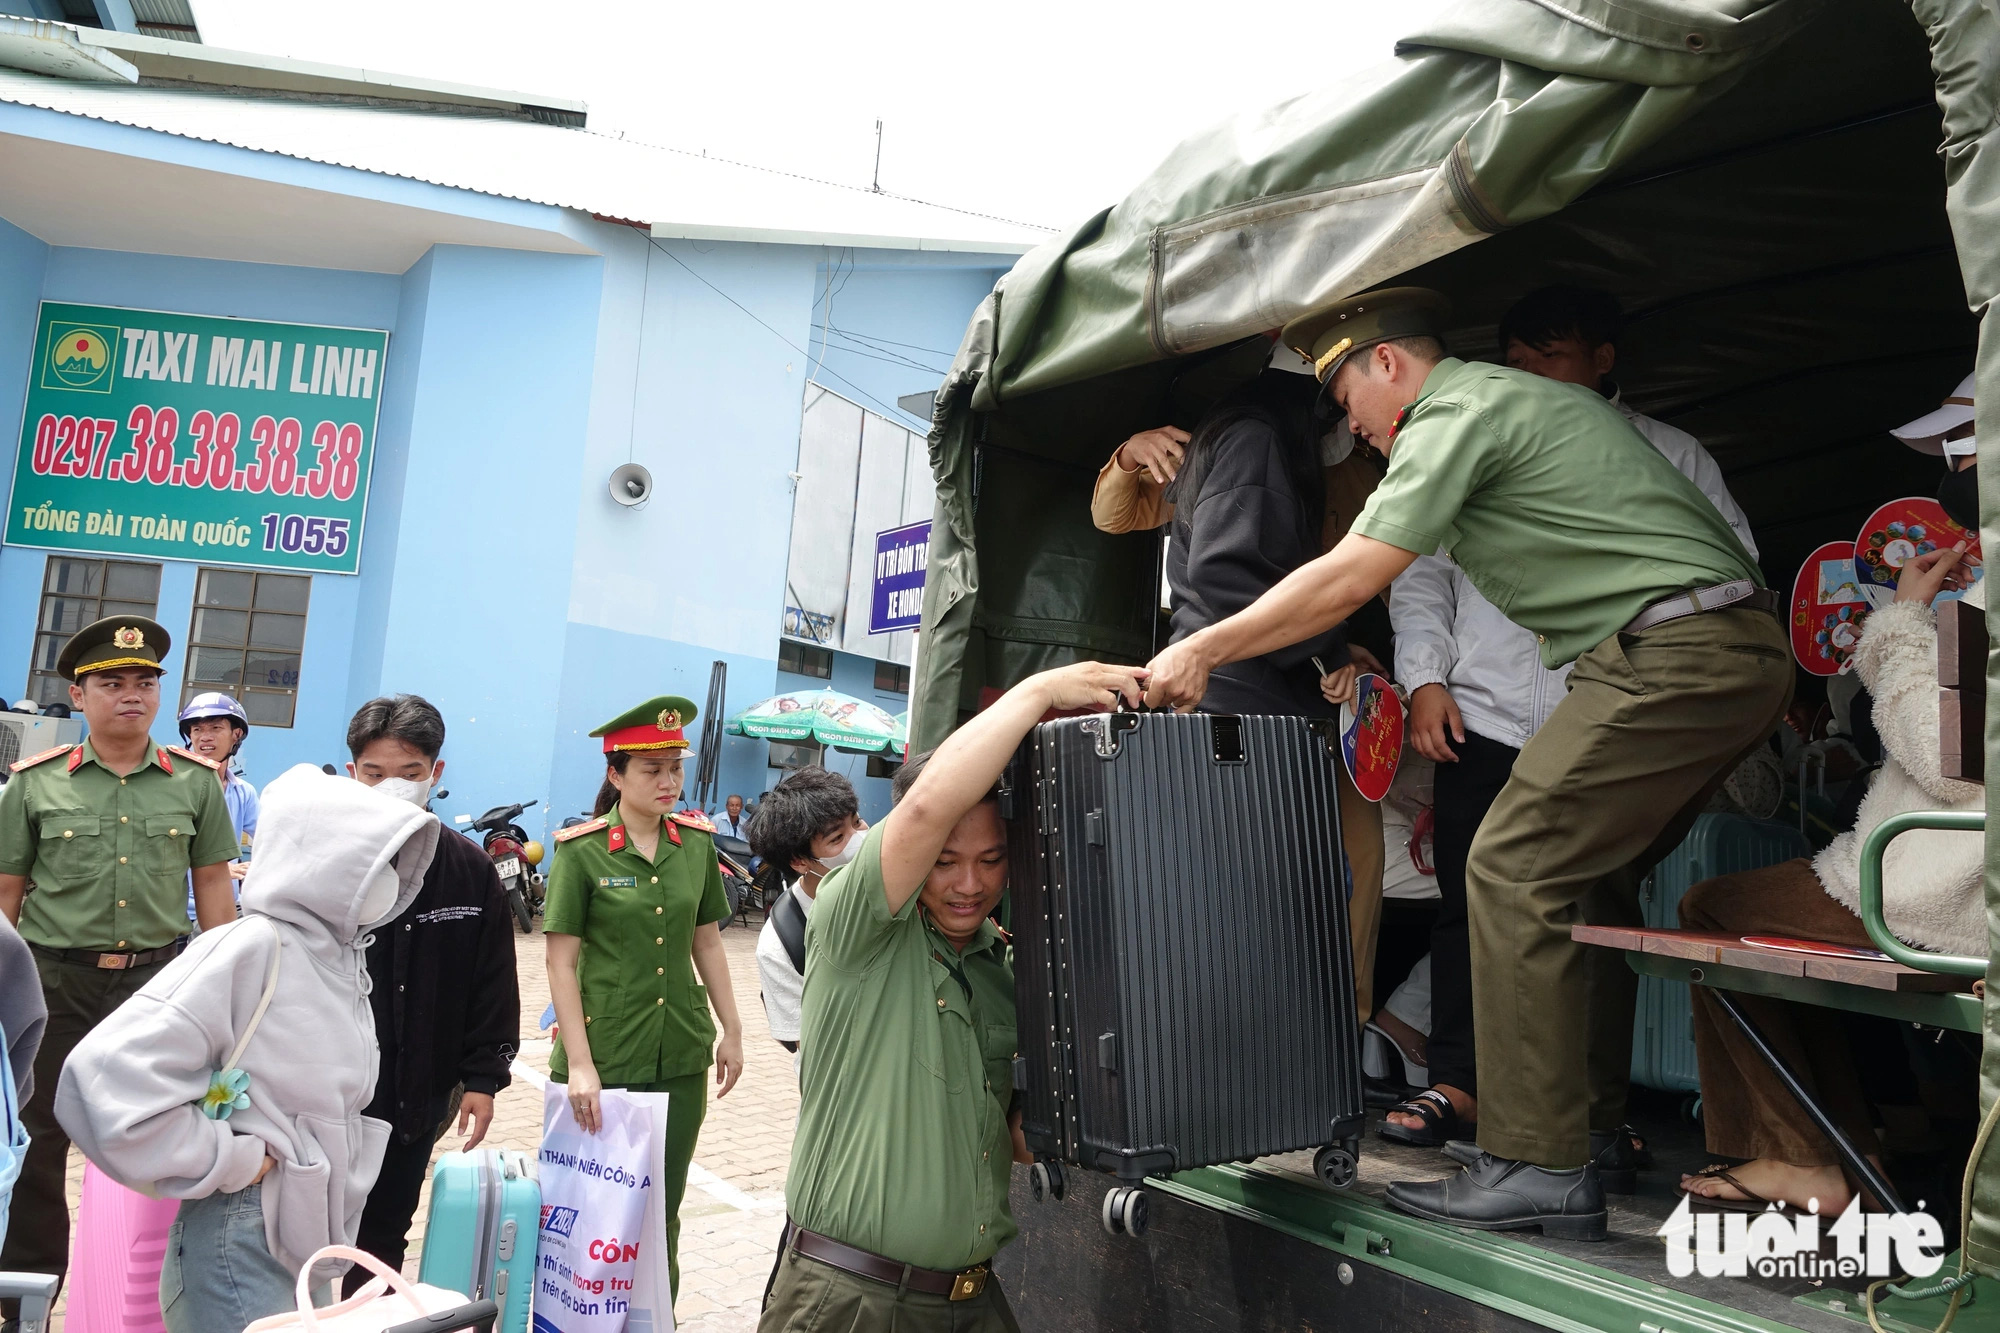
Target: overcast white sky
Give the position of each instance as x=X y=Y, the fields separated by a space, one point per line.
x=1039 y=110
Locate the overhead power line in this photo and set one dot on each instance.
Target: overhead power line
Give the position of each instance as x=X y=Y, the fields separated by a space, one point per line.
x=891 y=412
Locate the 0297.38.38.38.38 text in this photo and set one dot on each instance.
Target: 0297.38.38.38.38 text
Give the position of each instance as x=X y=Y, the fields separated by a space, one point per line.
x=81 y=446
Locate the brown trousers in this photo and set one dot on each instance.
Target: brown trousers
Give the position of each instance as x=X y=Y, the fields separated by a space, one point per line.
x=1747 y=1111
x=807 y=1296
x=1361 y=838
x=1652 y=725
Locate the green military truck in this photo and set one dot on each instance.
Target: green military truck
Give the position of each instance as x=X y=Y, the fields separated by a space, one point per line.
x=1798 y=202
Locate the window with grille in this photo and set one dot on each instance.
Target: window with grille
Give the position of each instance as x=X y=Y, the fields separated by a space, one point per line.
x=802 y=659
x=892 y=679
x=245 y=640
x=75 y=591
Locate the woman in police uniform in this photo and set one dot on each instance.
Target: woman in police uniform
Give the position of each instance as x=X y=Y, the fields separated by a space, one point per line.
x=633 y=900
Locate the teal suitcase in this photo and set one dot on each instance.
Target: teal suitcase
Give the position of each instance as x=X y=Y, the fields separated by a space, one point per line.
x=485 y=1222
x=1663 y=1022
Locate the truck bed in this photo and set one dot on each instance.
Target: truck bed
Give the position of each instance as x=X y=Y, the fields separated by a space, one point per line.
x=1264 y=1245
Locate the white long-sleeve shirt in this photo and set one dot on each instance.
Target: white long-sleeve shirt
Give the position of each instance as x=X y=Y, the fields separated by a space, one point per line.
x=1448 y=634
x=782 y=984
x=1695 y=463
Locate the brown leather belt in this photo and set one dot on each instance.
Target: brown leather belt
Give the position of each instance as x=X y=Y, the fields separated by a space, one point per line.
x=113 y=962
x=959 y=1286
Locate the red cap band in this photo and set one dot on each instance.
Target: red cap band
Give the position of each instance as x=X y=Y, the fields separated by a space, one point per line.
x=645 y=736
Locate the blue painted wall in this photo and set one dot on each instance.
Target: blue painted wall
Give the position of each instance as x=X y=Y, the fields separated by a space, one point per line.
x=472 y=614
x=201 y=286
x=388 y=483
x=498 y=578
x=23 y=265
x=888 y=323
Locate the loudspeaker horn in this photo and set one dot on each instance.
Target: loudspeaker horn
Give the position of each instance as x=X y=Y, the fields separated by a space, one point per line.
x=631 y=485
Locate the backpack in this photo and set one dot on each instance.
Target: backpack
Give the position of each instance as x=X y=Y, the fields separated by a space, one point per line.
x=788 y=919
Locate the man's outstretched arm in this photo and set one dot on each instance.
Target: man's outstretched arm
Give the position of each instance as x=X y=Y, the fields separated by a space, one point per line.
x=965 y=767
x=1311 y=600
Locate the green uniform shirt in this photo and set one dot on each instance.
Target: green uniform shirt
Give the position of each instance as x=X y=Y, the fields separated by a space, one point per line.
x=646 y=1013
x=902 y=1147
x=107 y=858
x=1560 y=513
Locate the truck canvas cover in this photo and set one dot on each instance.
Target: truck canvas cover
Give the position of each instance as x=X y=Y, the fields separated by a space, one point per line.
x=1797 y=201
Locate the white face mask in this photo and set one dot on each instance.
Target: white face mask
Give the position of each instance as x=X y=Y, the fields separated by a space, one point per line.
x=416 y=793
x=846 y=853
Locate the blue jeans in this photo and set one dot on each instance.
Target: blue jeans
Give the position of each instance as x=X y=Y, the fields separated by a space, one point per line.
x=219 y=1275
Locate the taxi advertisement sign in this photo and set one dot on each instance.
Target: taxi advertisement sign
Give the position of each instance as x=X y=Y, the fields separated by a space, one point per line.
x=193 y=437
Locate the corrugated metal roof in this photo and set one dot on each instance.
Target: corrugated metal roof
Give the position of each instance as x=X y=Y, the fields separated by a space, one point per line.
x=675 y=191
x=175 y=12
x=172 y=19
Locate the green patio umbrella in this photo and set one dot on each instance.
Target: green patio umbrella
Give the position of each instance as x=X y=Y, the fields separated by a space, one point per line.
x=838 y=720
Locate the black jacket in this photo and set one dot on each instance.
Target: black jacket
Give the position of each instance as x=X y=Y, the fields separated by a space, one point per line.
x=447 y=1009
x=1231 y=544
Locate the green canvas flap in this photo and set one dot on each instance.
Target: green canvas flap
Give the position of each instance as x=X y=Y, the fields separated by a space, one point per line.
x=1965 y=56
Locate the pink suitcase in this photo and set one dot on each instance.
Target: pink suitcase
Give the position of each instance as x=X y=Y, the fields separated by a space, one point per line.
x=121 y=1240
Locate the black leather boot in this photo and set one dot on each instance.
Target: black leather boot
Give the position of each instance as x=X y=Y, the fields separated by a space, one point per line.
x=1616 y=1155
x=1617 y=1159
x=1495 y=1194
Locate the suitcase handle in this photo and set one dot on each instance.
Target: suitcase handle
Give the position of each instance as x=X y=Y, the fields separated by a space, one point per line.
x=477 y=1316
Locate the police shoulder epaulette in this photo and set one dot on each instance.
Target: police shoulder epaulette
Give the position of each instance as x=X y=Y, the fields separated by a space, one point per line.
x=578 y=830
x=41 y=758
x=693 y=819
x=190 y=754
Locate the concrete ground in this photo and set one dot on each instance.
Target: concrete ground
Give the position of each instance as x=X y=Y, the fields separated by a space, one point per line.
x=736 y=1190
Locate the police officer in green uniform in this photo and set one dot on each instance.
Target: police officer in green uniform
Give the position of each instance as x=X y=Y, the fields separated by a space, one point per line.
x=96 y=844
x=1564 y=517
x=633 y=900
x=897 y=1198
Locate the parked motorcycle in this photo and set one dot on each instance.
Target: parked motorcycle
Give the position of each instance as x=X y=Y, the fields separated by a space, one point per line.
x=515 y=858
x=733 y=856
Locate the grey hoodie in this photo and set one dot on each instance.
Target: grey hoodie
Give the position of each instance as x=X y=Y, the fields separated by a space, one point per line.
x=333 y=858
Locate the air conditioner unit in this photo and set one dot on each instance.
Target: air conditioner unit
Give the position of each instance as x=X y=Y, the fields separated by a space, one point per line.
x=24 y=734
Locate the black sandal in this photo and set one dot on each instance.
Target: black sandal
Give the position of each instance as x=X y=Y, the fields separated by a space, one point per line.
x=1440 y=1117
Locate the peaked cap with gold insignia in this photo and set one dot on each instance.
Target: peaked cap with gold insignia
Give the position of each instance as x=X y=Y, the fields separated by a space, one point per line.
x=1328 y=337
x=657 y=724
x=114 y=642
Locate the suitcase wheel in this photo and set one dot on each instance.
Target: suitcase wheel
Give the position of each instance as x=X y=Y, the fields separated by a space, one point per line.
x=1124 y=1212
x=1691 y=1109
x=1045 y=1179
x=1338 y=1164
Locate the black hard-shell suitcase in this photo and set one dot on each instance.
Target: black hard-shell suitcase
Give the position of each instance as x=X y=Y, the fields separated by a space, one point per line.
x=1181 y=960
